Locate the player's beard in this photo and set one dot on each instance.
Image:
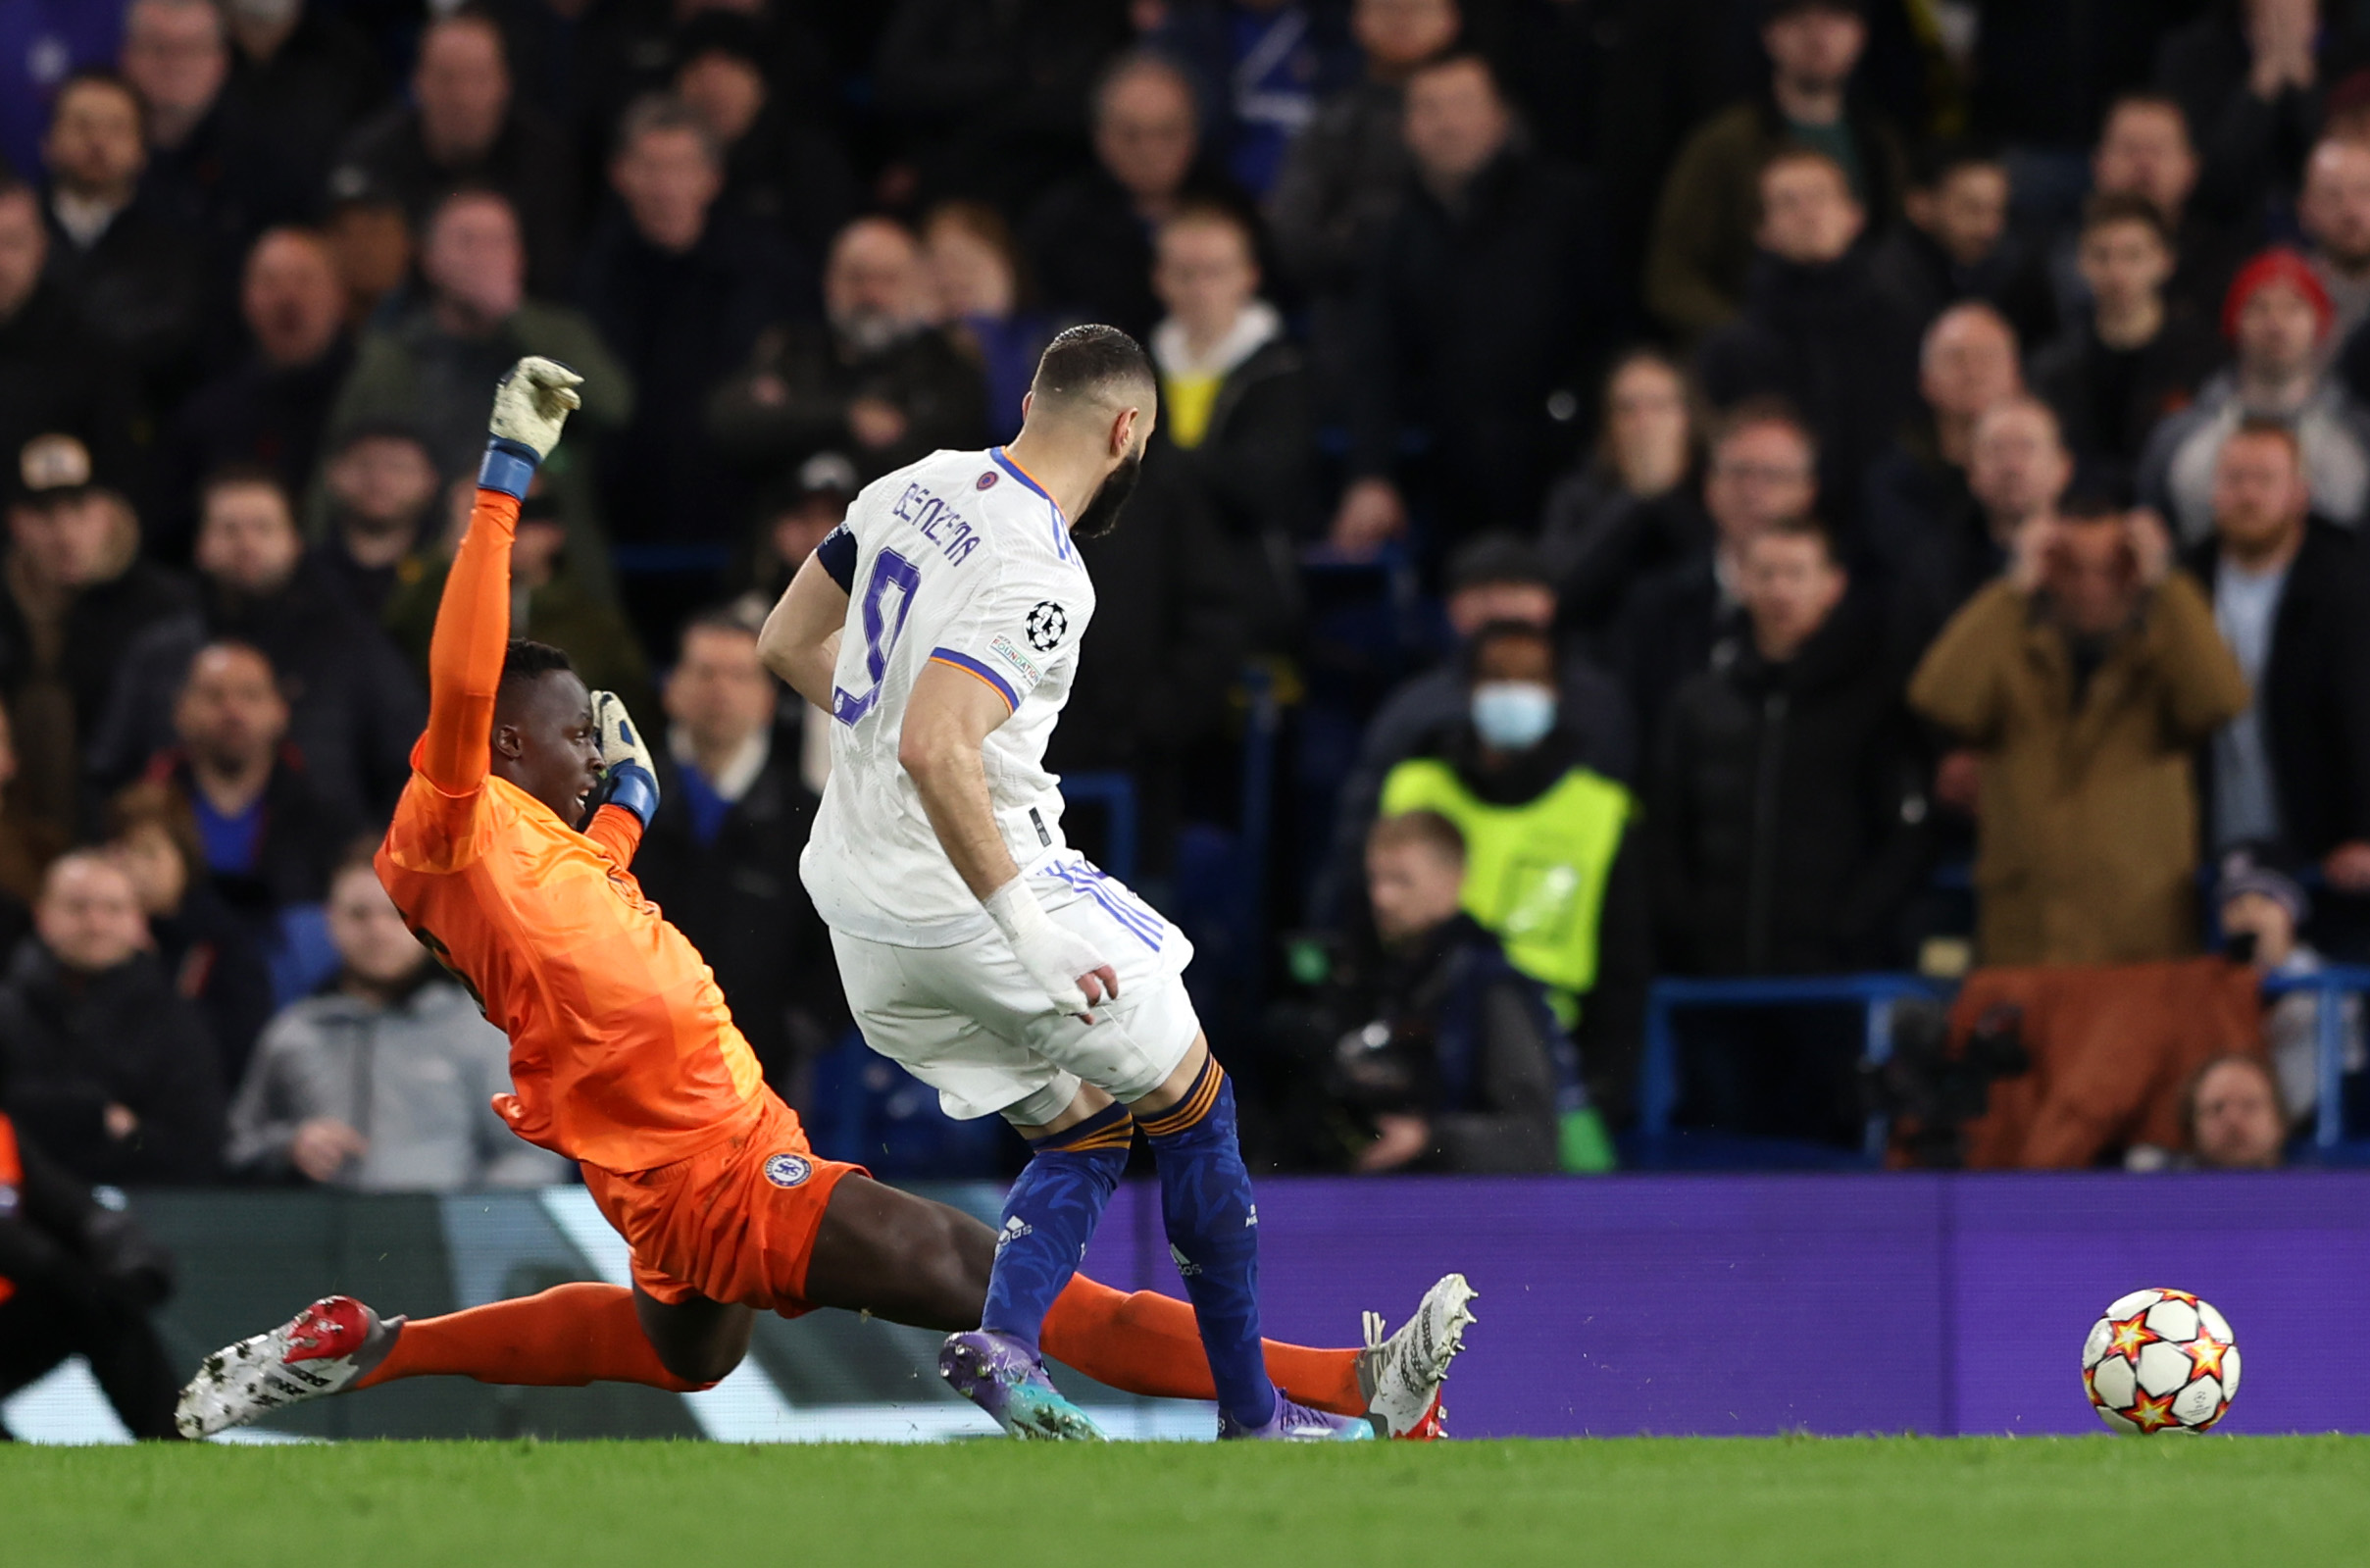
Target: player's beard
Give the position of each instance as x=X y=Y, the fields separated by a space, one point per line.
x=1101 y=514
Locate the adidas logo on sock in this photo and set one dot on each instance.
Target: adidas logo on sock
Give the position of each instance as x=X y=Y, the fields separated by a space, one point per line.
x=1184 y=1265
x=1014 y=1229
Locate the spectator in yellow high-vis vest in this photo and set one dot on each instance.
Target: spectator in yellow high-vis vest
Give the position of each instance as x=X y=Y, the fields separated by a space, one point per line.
x=1550 y=866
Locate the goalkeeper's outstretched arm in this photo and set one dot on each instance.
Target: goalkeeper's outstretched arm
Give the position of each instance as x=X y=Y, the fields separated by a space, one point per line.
x=473 y=618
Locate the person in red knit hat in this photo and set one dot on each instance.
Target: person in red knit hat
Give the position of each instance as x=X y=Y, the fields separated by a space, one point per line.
x=2278 y=319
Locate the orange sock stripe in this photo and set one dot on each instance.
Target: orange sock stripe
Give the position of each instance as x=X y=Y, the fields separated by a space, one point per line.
x=569 y=1336
x=1092 y=1136
x=1147 y=1344
x=1193 y=1108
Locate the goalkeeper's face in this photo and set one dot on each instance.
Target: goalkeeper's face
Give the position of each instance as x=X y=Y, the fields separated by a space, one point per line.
x=545 y=742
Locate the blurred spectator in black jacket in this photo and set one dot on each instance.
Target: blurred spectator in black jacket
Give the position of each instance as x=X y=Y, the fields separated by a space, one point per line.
x=1789 y=808
x=1632 y=507
x=985 y=97
x=203 y=172
x=135 y=272
x=103 y=1064
x=792 y=519
x=987 y=304
x=56 y=373
x=1817 y=327
x=2292 y=772
x=2334 y=212
x=722 y=855
x=1933 y=561
x=1966 y=367
x=270 y=411
x=1437 y=1054
x=1479 y=313
x=1235 y=410
x=381 y=489
x=1763 y=466
x=1494 y=580
x=2133 y=360
x=1157 y=670
x=354 y=707
x=302 y=74
x=77 y=594
x=872 y=380
x=77 y=1277
x=1954 y=243
x=1345 y=177
x=461 y=127
x=370 y=237
x=1714 y=203
x=679 y=289
x=269 y=837
x=1089 y=238
x=207 y=951
x=2251 y=76
x=779 y=169
x=2144 y=149
x=27 y=848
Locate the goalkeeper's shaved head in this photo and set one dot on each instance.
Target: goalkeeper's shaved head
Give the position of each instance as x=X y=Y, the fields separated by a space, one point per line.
x=1094 y=371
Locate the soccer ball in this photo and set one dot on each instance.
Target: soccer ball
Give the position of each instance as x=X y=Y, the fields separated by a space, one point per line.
x=2160 y=1361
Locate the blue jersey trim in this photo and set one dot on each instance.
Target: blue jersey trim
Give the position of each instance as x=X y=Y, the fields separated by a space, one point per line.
x=1061 y=524
x=964 y=662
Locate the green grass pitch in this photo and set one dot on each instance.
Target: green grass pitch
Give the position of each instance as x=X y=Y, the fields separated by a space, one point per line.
x=1884 y=1501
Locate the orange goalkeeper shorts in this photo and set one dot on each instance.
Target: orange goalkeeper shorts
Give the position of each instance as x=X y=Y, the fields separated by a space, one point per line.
x=733 y=1223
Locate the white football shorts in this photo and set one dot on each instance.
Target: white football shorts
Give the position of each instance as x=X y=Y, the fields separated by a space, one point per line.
x=968 y=1021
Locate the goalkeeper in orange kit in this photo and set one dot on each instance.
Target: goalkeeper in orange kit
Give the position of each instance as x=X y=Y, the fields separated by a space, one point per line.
x=510 y=856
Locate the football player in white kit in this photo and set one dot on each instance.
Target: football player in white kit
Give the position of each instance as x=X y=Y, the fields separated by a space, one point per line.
x=939 y=628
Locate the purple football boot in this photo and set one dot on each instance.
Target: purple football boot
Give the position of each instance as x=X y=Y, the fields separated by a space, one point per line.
x=1297 y=1423
x=997 y=1374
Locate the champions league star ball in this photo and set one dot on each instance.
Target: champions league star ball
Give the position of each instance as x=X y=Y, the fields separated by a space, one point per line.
x=2160 y=1361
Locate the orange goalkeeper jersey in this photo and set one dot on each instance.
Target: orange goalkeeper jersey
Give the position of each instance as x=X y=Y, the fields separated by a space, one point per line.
x=621 y=1051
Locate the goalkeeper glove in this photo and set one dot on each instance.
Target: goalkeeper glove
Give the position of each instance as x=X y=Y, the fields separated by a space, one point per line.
x=627 y=778
x=532 y=402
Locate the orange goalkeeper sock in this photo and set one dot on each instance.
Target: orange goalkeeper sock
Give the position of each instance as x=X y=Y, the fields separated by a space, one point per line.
x=1146 y=1343
x=569 y=1336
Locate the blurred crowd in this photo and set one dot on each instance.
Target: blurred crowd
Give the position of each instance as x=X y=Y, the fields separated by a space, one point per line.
x=1643 y=487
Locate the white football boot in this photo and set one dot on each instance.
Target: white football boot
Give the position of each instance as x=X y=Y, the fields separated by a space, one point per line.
x=319 y=1352
x=1401 y=1376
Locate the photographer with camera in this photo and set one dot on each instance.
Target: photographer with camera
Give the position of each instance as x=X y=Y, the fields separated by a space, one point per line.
x=1423 y=1049
x=77 y=1277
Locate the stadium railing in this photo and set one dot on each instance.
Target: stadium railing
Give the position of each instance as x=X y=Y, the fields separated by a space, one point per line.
x=2331 y=985
x=1874 y=994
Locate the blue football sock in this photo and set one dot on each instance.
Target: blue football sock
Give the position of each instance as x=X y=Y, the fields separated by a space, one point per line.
x=1049 y=1216
x=1205 y=1200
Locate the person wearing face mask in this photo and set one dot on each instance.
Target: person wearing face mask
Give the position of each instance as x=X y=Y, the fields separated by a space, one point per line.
x=1495 y=579
x=1550 y=867
x=1787 y=818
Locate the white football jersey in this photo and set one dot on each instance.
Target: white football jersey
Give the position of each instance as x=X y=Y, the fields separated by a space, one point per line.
x=962 y=560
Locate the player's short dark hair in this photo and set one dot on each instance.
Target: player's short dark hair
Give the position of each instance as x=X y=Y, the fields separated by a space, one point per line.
x=527 y=660
x=2107 y=207
x=1428 y=829
x=1092 y=362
